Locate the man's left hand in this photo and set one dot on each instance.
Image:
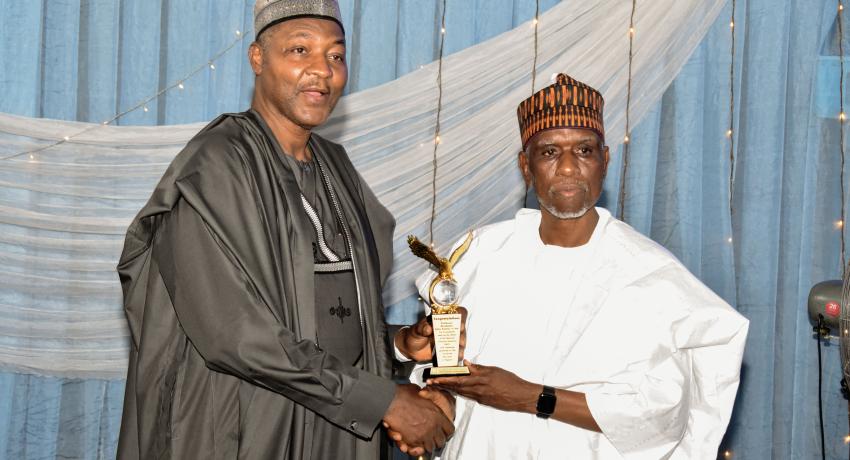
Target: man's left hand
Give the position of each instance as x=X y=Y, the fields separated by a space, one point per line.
x=492 y=386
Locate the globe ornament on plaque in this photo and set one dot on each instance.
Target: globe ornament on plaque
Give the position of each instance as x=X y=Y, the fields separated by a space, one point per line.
x=444 y=292
x=445 y=318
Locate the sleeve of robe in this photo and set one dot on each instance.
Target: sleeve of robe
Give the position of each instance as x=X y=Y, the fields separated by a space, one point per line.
x=228 y=322
x=687 y=387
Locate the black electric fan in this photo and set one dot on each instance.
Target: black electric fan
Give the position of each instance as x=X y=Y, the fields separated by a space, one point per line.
x=829 y=311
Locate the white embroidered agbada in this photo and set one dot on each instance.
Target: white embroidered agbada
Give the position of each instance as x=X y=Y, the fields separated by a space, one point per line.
x=656 y=352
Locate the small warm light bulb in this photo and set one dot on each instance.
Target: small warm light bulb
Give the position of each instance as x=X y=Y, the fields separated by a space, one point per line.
x=32 y=157
x=727 y=454
x=842 y=116
x=847 y=439
x=443 y=30
x=437 y=139
x=729 y=240
x=145 y=108
x=729 y=133
x=535 y=21
x=212 y=66
x=732 y=24
x=180 y=85
x=626 y=139
x=238 y=33
x=839 y=224
x=840 y=7
x=631 y=31
x=67 y=138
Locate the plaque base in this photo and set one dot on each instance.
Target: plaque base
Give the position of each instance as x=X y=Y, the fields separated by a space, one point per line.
x=448 y=371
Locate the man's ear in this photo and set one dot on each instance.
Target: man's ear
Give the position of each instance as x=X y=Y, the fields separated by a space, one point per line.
x=522 y=162
x=255 y=57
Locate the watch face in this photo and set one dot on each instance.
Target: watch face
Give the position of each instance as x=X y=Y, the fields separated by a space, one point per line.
x=546 y=403
x=445 y=292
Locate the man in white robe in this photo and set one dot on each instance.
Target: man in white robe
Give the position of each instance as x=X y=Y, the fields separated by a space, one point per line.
x=585 y=338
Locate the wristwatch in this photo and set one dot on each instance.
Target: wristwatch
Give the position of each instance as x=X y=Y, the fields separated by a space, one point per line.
x=546 y=402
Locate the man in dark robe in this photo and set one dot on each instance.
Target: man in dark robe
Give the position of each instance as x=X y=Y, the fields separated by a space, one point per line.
x=252 y=279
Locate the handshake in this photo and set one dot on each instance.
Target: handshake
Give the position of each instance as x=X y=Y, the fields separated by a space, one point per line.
x=421 y=420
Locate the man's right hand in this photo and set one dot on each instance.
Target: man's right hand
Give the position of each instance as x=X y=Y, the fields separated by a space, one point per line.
x=416 y=420
x=416 y=342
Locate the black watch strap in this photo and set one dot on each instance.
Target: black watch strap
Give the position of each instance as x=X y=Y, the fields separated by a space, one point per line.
x=546 y=402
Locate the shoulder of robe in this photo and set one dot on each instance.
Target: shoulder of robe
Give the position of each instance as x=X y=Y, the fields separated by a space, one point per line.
x=653 y=273
x=634 y=252
x=226 y=144
x=218 y=153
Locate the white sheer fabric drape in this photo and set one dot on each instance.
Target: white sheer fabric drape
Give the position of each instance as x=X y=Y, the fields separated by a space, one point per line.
x=64 y=209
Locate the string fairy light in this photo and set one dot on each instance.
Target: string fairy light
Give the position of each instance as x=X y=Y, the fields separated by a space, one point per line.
x=437 y=125
x=536 y=23
x=842 y=117
x=143 y=104
x=729 y=132
x=621 y=205
x=731 y=129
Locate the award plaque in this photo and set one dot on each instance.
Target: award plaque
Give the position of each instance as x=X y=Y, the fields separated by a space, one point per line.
x=445 y=318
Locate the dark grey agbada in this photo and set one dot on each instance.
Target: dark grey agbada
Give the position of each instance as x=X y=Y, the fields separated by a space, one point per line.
x=218 y=291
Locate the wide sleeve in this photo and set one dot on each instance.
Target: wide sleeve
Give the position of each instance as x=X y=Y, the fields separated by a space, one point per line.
x=681 y=348
x=235 y=332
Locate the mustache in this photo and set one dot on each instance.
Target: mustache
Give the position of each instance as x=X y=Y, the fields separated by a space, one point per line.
x=316 y=85
x=569 y=185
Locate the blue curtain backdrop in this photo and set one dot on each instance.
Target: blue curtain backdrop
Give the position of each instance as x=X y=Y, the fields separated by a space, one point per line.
x=87 y=60
x=90 y=59
x=783 y=234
